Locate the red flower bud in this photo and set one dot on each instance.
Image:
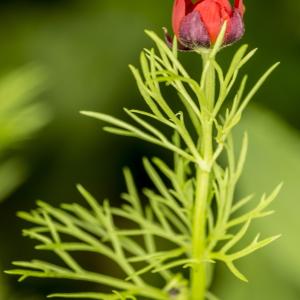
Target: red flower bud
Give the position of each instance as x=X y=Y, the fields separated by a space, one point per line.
x=198 y=24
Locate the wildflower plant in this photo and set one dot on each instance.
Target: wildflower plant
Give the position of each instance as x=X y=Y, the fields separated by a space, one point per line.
x=192 y=218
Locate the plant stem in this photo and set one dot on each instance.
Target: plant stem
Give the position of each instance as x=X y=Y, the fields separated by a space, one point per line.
x=203 y=178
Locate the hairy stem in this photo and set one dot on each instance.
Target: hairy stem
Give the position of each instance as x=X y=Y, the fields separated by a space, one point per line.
x=203 y=178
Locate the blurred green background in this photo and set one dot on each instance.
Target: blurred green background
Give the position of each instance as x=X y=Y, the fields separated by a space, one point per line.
x=84 y=48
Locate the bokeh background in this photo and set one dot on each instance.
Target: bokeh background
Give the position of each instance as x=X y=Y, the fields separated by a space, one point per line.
x=82 y=50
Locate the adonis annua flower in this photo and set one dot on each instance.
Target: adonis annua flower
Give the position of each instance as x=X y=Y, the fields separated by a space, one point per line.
x=197 y=25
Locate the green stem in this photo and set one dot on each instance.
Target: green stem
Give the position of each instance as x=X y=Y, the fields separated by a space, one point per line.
x=203 y=181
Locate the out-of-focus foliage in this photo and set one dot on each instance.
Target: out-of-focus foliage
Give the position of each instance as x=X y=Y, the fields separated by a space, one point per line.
x=20 y=118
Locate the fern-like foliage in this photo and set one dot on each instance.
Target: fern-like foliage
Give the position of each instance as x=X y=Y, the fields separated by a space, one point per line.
x=159 y=236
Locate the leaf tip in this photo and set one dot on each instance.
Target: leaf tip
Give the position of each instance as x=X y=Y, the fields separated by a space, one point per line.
x=276 y=237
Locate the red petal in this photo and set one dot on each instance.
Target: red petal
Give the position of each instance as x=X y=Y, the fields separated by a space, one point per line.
x=213 y=14
x=225 y=4
x=180 y=9
x=238 y=4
